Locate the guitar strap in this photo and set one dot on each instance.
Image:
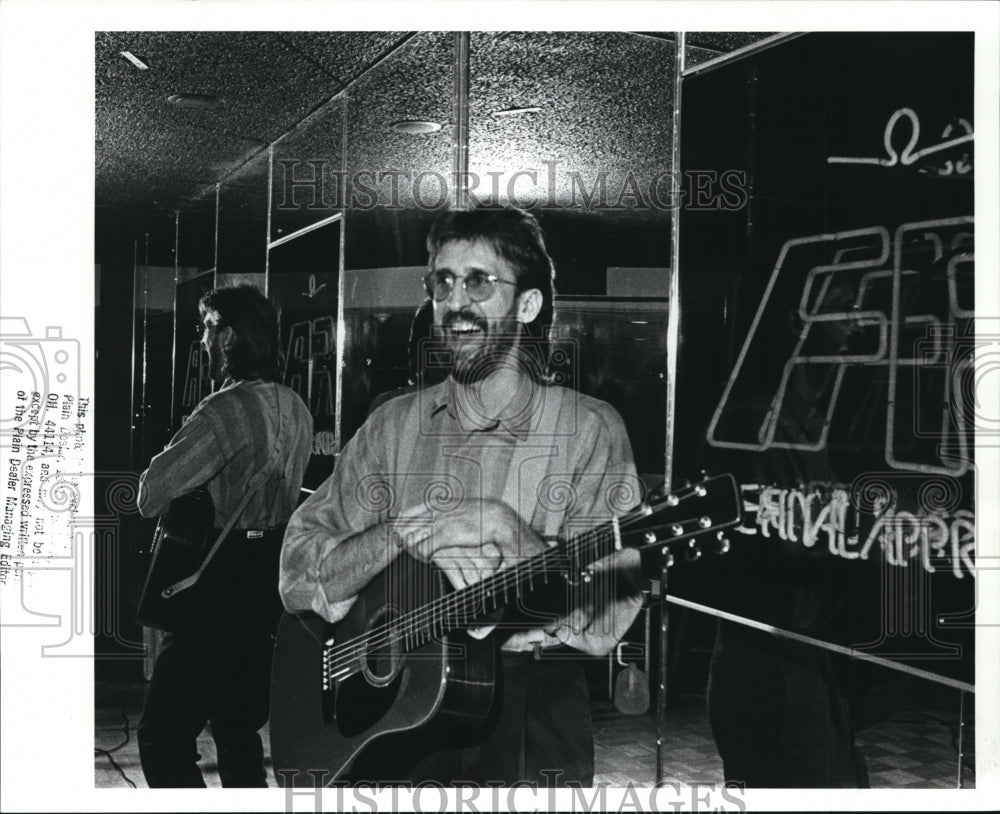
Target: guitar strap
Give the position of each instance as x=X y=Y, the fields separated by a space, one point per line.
x=255 y=484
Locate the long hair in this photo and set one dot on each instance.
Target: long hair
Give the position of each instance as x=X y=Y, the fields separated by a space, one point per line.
x=517 y=237
x=252 y=351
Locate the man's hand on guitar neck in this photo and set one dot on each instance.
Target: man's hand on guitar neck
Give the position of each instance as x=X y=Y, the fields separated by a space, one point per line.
x=470 y=543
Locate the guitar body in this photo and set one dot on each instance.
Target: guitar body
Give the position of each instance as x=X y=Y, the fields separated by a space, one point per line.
x=180 y=544
x=374 y=723
x=376 y=696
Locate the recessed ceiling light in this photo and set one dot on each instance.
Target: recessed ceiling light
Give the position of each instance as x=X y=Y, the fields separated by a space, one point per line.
x=516 y=111
x=415 y=126
x=142 y=66
x=194 y=100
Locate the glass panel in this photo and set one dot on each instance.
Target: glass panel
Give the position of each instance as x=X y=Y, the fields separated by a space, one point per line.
x=153 y=317
x=564 y=123
x=828 y=315
x=397 y=182
x=306 y=172
x=196 y=236
x=302 y=277
x=616 y=350
x=243 y=219
x=701 y=46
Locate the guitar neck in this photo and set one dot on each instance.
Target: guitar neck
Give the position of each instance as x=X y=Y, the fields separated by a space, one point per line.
x=462 y=608
x=678 y=518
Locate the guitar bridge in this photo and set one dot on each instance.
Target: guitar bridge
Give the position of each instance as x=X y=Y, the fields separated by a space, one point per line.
x=327 y=665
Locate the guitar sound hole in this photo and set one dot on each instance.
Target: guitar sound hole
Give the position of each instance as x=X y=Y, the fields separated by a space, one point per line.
x=364 y=698
x=383 y=655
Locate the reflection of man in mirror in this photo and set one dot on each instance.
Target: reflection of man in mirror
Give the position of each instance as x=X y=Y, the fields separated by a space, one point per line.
x=214 y=665
x=468 y=441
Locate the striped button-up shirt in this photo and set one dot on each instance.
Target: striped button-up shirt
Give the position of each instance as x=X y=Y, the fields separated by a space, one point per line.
x=229 y=437
x=414 y=450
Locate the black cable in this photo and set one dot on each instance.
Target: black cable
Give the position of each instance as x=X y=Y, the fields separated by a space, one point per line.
x=107 y=753
x=126 y=730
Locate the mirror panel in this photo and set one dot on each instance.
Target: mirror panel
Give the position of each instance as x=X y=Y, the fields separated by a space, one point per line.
x=397 y=183
x=564 y=124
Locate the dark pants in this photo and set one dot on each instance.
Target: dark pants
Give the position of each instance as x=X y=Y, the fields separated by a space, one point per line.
x=199 y=679
x=216 y=670
x=780 y=715
x=543 y=732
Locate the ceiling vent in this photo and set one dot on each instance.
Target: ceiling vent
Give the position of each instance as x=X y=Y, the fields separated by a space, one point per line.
x=415 y=126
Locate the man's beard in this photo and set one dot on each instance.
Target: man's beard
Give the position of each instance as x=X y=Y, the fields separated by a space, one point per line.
x=216 y=365
x=481 y=351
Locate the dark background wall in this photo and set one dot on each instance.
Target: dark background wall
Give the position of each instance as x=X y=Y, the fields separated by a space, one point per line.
x=846 y=396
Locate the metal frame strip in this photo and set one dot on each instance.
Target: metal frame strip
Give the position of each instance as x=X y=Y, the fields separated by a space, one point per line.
x=850 y=652
x=740 y=53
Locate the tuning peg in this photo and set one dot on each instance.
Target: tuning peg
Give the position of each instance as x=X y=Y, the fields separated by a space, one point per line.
x=649 y=537
x=700 y=490
x=665 y=551
x=703 y=474
x=705 y=522
x=721 y=544
x=677 y=529
x=672 y=500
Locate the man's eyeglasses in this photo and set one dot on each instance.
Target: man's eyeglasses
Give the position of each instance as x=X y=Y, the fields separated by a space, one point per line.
x=478 y=284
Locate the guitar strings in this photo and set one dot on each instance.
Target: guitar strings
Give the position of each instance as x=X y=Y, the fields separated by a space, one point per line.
x=472 y=597
x=422 y=620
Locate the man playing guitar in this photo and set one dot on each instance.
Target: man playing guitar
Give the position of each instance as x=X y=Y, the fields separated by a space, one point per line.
x=215 y=663
x=474 y=475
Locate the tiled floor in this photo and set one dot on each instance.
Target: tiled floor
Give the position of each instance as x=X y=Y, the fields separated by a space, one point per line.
x=914 y=749
x=625 y=747
x=918 y=750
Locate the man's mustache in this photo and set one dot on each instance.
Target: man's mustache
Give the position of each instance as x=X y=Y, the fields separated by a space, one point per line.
x=464 y=315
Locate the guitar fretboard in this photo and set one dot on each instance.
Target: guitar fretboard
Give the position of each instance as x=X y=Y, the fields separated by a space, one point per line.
x=463 y=608
x=666 y=524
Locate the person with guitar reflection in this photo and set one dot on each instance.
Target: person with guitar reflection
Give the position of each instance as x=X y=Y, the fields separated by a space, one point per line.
x=247 y=444
x=475 y=475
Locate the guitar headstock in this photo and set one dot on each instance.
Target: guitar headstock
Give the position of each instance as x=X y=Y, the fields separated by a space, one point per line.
x=686 y=520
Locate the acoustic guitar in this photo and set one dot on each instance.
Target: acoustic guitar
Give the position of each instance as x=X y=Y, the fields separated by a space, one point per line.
x=182 y=539
x=399 y=668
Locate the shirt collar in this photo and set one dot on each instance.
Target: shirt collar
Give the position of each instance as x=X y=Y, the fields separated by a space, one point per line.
x=444 y=401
